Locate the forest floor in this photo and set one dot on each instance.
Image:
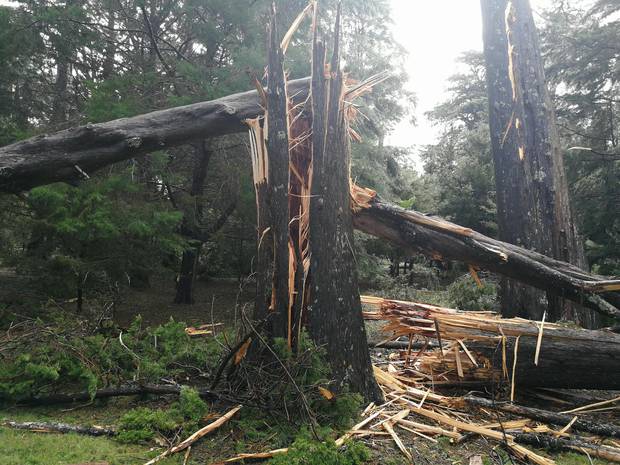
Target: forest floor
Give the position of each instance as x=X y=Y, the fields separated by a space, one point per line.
x=214 y=301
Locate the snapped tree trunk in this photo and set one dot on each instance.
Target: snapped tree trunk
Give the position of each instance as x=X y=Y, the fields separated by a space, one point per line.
x=482 y=348
x=438 y=238
x=334 y=310
x=45 y=159
x=532 y=196
x=66 y=155
x=278 y=166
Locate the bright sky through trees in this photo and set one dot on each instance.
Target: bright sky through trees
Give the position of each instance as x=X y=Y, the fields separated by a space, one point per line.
x=435 y=33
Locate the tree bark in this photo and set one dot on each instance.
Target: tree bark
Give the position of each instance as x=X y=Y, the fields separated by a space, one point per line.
x=55 y=427
x=583 y=445
x=115 y=391
x=278 y=162
x=334 y=310
x=575 y=359
x=66 y=155
x=532 y=196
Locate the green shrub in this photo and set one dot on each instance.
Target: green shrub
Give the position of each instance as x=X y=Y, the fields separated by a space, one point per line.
x=305 y=451
x=63 y=358
x=191 y=406
x=142 y=424
x=465 y=294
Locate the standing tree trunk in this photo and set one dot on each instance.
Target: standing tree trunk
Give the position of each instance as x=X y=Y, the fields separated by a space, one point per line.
x=532 y=196
x=187 y=275
x=278 y=161
x=334 y=310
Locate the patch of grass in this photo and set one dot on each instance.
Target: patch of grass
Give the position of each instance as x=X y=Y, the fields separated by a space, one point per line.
x=573 y=458
x=26 y=448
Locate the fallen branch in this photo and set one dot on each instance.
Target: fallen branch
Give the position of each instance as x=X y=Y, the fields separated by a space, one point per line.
x=577 y=444
x=72 y=153
x=436 y=237
x=116 y=391
x=196 y=436
x=55 y=427
x=580 y=424
x=269 y=454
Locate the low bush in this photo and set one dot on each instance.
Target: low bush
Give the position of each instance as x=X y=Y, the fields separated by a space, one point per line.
x=306 y=451
x=67 y=357
x=184 y=415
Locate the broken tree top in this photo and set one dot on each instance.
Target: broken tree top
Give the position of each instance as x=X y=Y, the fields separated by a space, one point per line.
x=74 y=153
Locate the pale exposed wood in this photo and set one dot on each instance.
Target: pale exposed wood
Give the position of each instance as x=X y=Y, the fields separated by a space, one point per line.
x=196 y=436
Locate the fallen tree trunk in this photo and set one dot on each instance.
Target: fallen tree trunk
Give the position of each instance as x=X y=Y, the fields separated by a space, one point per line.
x=438 y=238
x=483 y=347
x=55 y=427
x=75 y=153
x=69 y=154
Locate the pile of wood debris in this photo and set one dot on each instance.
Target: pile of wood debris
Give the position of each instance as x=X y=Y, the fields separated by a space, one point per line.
x=451 y=348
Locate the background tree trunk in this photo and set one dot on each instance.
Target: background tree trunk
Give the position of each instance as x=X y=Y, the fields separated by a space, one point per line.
x=532 y=196
x=187 y=275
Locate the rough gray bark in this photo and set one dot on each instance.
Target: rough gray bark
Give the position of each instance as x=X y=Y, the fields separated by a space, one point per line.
x=437 y=237
x=583 y=445
x=334 y=310
x=66 y=155
x=572 y=359
x=278 y=160
x=115 y=391
x=532 y=196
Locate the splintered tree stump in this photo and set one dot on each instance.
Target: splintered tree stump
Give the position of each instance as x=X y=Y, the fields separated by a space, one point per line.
x=334 y=310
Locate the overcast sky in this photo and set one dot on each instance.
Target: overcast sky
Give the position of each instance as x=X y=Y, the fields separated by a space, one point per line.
x=435 y=33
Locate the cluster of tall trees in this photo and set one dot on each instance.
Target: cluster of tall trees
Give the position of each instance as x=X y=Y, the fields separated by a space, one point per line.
x=70 y=63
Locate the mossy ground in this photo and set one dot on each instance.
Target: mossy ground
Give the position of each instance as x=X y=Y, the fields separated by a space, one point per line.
x=249 y=431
